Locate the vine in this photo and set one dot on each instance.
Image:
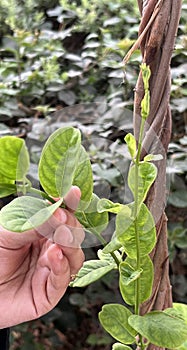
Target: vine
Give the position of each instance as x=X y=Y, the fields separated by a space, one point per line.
x=63 y=163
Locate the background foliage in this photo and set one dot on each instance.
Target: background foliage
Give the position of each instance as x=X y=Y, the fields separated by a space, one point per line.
x=57 y=54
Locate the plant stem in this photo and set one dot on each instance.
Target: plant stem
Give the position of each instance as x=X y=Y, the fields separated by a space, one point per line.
x=136 y=209
x=104 y=243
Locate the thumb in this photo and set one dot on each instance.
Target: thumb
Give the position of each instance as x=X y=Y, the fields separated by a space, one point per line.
x=72 y=198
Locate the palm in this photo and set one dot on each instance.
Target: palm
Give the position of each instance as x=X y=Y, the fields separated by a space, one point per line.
x=35 y=271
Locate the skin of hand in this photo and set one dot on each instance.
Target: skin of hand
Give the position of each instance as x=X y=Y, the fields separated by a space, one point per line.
x=36 y=265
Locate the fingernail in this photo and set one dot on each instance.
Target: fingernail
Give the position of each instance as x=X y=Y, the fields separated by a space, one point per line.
x=67 y=235
x=60 y=254
x=77 y=191
x=63 y=236
x=62 y=215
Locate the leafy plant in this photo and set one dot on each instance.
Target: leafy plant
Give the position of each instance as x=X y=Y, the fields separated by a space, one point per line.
x=63 y=163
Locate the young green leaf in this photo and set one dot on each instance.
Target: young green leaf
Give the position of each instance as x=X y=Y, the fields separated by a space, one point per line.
x=114 y=319
x=146 y=280
x=113 y=245
x=131 y=143
x=14 y=158
x=171 y=335
x=107 y=205
x=25 y=213
x=119 y=346
x=126 y=230
x=128 y=273
x=91 y=271
x=6 y=189
x=107 y=257
x=59 y=161
x=90 y=218
x=147 y=175
x=153 y=157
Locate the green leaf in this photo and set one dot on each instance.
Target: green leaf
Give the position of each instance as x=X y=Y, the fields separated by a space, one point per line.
x=183 y=346
x=160 y=329
x=131 y=143
x=114 y=319
x=182 y=309
x=128 y=273
x=107 y=205
x=147 y=175
x=113 y=245
x=59 y=160
x=119 y=346
x=107 y=257
x=146 y=280
x=83 y=178
x=14 y=158
x=6 y=189
x=93 y=221
x=153 y=157
x=25 y=213
x=91 y=271
x=126 y=230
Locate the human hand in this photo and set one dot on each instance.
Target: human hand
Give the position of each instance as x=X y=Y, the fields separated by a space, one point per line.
x=36 y=265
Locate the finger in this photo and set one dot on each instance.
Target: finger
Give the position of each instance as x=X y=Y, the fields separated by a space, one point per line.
x=70 y=241
x=75 y=258
x=72 y=198
x=51 y=279
x=69 y=235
